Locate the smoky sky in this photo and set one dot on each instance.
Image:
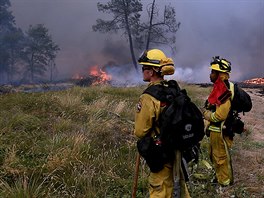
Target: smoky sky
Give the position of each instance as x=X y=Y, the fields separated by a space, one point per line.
x=232 y=29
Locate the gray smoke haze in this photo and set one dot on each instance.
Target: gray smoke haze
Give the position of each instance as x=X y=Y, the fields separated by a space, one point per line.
x=233 y=29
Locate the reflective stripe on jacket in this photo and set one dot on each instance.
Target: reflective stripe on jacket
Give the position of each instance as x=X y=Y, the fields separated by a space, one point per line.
x=218 y=117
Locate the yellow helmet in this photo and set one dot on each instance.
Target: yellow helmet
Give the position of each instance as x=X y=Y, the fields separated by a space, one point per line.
x=157 y=58
x=221 y=64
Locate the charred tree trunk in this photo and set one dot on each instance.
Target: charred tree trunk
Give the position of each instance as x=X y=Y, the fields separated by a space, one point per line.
x=150 y=24
x=52 y=67
x=131 y=47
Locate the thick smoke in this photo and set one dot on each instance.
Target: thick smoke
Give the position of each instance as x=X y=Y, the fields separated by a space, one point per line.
x=231 y=29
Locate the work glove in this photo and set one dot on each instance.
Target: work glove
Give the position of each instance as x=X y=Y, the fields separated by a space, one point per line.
x=207 y=114
x=209 y=106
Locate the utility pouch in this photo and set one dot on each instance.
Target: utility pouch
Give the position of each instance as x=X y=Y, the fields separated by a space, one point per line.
x=152 y=150
x=233 y=125
x=237 y=125
x=228 y=129
x=191 y=154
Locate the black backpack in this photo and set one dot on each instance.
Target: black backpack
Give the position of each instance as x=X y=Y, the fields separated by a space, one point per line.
x=241 y=101
x=181 y=122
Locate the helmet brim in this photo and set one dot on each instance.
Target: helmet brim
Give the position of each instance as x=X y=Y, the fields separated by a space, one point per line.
x=150 y=64
x=216 y=67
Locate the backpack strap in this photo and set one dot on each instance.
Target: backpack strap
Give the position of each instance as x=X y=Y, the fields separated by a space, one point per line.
x=232 y=89
x=164 y=92
x=167 y=92
x=157 y=91
x=171 y=94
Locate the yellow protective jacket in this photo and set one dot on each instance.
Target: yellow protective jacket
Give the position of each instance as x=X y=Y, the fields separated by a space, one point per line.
x=221 y=112
x=147 y=114
x=218 y=117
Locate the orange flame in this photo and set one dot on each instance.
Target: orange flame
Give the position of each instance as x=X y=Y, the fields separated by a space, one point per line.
x=258 y=81
x=101 y=76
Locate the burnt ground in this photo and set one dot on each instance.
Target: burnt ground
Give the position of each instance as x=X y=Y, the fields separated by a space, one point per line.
x=248 y=151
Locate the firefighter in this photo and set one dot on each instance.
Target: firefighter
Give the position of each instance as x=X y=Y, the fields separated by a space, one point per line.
x=217 y=110
x=155 y=65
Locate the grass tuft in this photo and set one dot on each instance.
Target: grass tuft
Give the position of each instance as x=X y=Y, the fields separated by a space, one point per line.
x=80 y=143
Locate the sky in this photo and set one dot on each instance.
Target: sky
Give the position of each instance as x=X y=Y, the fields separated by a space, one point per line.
x=232 y=29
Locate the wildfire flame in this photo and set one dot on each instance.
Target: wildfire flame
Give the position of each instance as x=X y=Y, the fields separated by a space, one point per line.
x=99 y=76
x=258 y=81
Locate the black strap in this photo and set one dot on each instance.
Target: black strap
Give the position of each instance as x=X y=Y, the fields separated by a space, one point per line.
x=164 y=92
x=170 y=93
x=157 y=91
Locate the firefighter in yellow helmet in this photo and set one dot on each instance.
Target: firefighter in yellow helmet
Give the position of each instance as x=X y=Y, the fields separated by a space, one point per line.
x=218 y=106
x=155 y=65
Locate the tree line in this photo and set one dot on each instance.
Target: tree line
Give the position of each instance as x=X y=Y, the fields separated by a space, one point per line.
x=30 y=55
x=24 y=56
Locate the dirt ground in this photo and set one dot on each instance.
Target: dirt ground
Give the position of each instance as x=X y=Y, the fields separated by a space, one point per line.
x=248 y=151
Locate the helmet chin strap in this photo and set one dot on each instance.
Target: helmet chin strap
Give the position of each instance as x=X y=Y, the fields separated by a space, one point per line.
x=157 y=69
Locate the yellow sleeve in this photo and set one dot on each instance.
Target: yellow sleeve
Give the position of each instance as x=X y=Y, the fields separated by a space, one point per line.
x=221 y=112
x=147 y=113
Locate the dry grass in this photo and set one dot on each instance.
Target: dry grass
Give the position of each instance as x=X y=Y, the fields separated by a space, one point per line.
x=74 y=143
x=80 y=143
